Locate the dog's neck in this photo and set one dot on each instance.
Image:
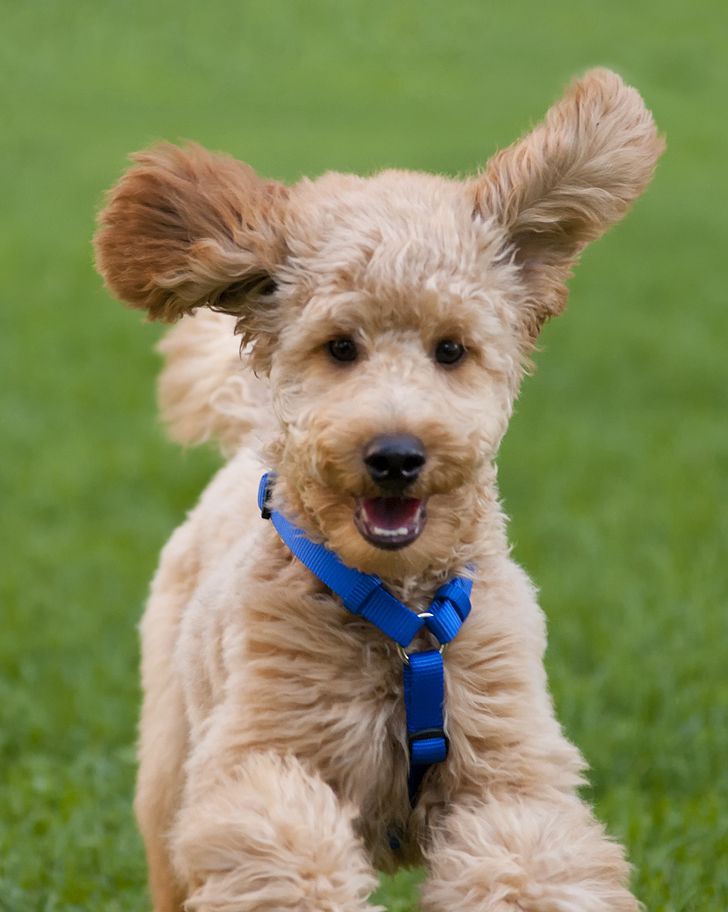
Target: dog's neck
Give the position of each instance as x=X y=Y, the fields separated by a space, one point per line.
x=483 y=538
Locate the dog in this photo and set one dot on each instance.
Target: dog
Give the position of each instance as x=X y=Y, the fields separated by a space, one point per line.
x=385 y=324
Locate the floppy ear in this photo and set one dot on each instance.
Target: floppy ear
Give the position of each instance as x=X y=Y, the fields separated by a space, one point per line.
x=185 y=228
x=567 y=181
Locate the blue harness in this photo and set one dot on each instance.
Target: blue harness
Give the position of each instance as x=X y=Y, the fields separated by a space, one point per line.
x=364 y=594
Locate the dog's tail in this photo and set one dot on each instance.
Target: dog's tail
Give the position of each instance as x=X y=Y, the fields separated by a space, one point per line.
x=205 y=391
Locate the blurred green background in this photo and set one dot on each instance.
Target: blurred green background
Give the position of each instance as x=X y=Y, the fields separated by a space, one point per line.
x=615 y=469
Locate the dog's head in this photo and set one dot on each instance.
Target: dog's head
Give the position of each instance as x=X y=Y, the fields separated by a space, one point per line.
x=393 y=314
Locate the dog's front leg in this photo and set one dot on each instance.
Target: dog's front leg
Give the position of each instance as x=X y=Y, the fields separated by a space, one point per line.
x=525 y=855
x=268 y=835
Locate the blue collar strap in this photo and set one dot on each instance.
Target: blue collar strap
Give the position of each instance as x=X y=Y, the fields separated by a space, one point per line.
x=364 y=594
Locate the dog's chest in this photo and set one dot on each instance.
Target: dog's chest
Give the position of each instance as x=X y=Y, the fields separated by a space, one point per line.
x=312 y=680
x=338 y=707
x=298 y=674
x=330 y=691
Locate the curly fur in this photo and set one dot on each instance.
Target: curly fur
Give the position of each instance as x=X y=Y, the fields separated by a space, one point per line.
x=272 y=756
x=205 y=392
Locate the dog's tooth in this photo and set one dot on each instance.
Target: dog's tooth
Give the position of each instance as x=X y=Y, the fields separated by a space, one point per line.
x=390 y=533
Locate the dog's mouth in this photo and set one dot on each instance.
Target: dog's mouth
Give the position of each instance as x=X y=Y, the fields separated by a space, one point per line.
x=390 y=522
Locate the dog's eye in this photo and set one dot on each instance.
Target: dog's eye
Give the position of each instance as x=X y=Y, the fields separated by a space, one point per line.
x=267 y=287
x=449 y=352
x=342 y=349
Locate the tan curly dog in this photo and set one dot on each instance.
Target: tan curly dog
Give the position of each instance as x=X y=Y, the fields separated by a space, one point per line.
x=386 y=323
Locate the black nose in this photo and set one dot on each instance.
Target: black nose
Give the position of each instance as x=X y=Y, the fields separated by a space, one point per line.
x=394 y=461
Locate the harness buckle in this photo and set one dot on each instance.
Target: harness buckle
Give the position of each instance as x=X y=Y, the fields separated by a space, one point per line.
x=265 y=489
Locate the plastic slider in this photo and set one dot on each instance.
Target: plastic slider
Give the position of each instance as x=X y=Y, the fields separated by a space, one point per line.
x=425 y=734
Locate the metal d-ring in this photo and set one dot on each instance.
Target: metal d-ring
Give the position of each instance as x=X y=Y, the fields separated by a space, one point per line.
x=404 y=655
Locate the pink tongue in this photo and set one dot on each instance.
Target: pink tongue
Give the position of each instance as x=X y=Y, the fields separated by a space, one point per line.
x=391 y=512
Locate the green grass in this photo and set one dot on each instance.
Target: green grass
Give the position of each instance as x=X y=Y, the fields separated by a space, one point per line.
x=615 y=469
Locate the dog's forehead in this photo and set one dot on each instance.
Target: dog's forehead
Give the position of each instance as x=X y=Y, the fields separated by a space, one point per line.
x=398 y=237
x=406 y=223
